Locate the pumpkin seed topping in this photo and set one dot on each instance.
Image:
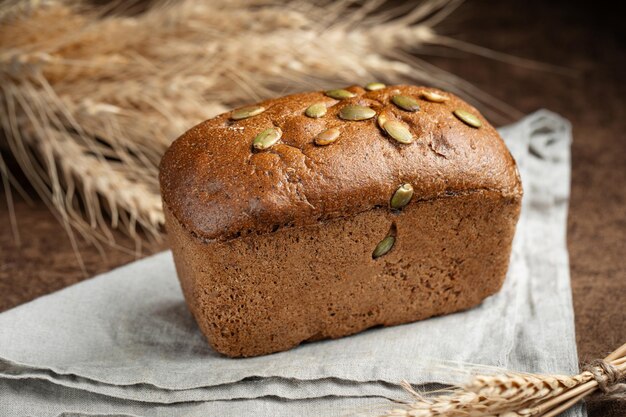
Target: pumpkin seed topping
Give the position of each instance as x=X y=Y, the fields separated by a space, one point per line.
x=405 y=102
x=434 y=96
x=327 y=136
x=267 y=138
x=383 y=247
x=401 y=197
x=467 y=118
x=398 y=130
x=245 y=112
x=316 y=110
x=340 y=94
x=355 y=112
x=374 y=86
x=382 y=119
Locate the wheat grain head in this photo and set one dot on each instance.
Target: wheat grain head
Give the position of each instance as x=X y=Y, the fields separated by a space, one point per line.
x=90 y=101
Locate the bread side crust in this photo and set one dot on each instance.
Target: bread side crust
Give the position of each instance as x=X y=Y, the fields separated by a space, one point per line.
x=266 y=293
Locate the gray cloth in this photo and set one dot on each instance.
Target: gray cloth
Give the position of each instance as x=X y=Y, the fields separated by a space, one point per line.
x=124 y=343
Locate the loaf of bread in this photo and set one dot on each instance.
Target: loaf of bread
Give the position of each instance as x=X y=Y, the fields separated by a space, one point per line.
x=319 y=215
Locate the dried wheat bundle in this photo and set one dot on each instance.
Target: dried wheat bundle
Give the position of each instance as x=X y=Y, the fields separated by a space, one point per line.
x=91 y=98
x=512 y=394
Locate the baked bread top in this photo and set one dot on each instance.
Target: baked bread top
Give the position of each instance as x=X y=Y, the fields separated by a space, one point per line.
x=229 y=176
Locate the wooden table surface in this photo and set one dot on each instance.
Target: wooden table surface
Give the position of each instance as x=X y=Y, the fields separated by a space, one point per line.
x=583 y=38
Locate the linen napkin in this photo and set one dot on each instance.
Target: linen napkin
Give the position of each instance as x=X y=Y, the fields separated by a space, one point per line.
x=124 y=343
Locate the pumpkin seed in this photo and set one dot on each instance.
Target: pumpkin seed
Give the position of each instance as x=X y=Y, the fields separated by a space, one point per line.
x=355 y=112
x=374 y=86
x=267 y=138
x=434 y=96
x=399 y=131
x=467 y=118
x=405 y=102
x=340 y=94
x=245 y=112
x=382 y=119
x=327 y=137
x=316 y=110
x=383 y=247
x=402 y=196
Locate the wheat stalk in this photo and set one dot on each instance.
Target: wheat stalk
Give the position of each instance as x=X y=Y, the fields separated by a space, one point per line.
x=511 y=394
x=91 y=100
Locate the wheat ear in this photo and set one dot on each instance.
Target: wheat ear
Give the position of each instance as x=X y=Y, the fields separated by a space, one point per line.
x=511 y=394
x=91 y=100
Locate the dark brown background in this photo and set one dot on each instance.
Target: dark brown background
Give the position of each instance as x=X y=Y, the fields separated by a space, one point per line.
x=587 y=37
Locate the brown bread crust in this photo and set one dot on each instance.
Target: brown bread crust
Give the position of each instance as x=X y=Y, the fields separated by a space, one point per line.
x=218 y=187
x=274 y=247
